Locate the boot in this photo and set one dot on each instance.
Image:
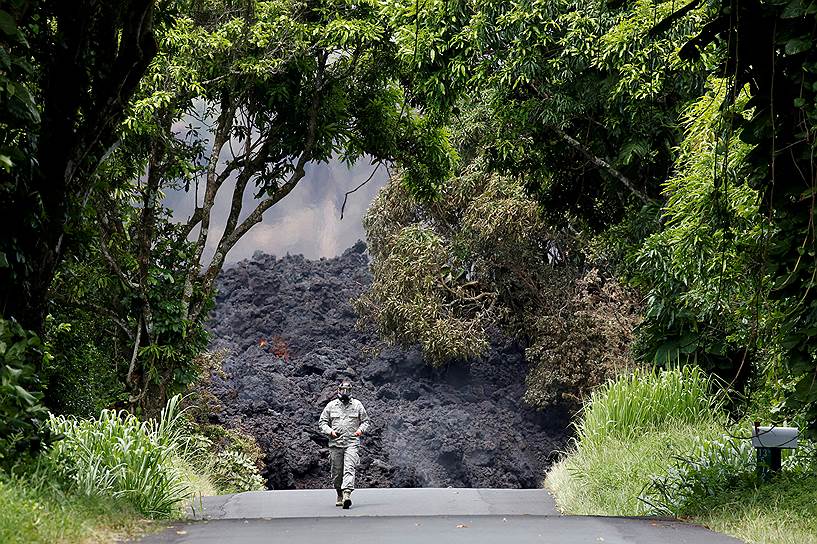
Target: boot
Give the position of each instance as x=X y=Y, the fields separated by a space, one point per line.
x=347 y=498
x=339 y=502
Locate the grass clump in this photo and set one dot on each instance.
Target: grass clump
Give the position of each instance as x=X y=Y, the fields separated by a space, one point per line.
x=783 y=511
x=646 y=400
x=607 y=477
x=119 y=456
x=658 y=443
x=104 y=476
x=35 y=508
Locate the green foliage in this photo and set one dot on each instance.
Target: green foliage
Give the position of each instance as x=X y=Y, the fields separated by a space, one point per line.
x=701 y=273
x=22 y=414
x=86 y=374
x=712 y=467
x=782 y=511
x=64 y=92
x=106 y=474
x=18 y=106
x=692 y=466
x=35 y=509
x=765 y=46
x=607 y=478
x=119 y=456
x=647 y=399
x=229 y=458
x=111 y=289
x=546 y=72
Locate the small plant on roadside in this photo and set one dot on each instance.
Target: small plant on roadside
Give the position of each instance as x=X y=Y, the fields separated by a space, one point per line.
x=713 y=467
x=230 y=458
x=645 y=400
x=119 y=456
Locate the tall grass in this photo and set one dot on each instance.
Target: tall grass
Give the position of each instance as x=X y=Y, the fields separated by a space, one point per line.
x=35 y=508
x=119 y=456
x=665 y=432
x=647 y=400
x=607 y=477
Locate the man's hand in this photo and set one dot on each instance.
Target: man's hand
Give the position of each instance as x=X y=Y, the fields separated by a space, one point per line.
x=358 y=433
x=333 y=434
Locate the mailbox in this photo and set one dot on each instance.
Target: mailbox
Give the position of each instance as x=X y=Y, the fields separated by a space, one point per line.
x=775 y=437
x=769 y=441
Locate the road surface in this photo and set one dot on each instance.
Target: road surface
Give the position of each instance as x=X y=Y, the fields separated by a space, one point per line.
x=391 y=516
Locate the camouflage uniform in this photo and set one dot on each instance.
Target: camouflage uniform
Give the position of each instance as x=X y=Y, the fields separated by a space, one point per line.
x=345 y=419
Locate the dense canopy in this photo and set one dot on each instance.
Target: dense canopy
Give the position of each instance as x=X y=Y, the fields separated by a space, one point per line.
x=611 y=183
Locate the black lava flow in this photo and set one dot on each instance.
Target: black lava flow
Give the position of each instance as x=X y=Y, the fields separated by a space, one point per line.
x=289 y=328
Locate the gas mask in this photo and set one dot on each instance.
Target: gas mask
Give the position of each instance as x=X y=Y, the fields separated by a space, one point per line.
x=344 y=391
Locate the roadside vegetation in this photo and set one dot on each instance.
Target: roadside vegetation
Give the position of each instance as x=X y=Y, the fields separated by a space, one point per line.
x=106 y=476
x=661 y=443
x=614 y=185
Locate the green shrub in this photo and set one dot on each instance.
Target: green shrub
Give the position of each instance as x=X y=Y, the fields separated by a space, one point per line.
x=84 y=378
x=646 y=400
x=713 y=467
x=22 y=414
x=116 y=455
x=236 y=472
x=228 y=457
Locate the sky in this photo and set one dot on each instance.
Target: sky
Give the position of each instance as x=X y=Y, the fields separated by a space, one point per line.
x=307 y=221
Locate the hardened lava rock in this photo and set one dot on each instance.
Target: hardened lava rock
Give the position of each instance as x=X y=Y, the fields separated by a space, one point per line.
x=290 y=331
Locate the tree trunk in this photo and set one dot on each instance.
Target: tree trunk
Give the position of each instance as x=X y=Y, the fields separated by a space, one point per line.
x=91 y=67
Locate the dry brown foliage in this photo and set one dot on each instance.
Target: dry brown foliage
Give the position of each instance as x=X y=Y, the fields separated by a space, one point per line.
x=479 y=257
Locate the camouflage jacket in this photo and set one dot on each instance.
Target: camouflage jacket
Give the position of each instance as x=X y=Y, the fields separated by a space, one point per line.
x=344 y=419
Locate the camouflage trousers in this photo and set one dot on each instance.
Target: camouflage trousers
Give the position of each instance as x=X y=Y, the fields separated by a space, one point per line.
x=344 y=462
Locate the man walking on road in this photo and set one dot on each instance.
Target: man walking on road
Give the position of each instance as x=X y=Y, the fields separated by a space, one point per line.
x=344 y=420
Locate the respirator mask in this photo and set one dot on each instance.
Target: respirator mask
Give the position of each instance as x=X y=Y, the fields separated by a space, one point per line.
x=344 y=391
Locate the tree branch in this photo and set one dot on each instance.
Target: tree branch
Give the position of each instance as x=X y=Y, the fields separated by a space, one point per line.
x=114 y=266
x=214 y=181
x=229 y=239
x=603 y=164
x=132 y=367
x=346 y=196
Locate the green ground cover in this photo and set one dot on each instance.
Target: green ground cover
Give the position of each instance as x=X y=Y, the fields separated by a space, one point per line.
x=634 y=456
x=113 y=476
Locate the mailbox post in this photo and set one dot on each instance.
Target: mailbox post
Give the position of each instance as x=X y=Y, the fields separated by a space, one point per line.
x=769 y=443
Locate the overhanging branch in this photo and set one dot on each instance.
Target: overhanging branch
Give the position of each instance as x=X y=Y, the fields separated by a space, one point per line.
x=598 y=161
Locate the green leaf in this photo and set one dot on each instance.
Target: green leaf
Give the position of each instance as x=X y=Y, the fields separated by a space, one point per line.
x=793 y=10
x=25 y=395
x=798 y=45
x=7 y=24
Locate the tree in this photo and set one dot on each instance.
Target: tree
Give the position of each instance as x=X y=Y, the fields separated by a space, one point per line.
x=72 y=69
x=577 y=97
x=265 y=88
x=482 y=259
x=566 y=119
x=767 y=47
x=67 y=73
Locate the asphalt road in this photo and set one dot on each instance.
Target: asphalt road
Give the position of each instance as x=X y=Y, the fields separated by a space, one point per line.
x=386 y=516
